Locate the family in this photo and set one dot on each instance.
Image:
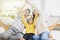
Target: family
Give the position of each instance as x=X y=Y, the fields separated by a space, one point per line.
x=30 y=23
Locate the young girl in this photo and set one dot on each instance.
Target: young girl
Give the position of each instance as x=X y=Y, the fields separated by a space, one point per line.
x=30 y=27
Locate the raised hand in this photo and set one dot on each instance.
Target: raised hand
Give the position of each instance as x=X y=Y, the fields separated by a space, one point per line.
x=35 y=12
x=20 y=10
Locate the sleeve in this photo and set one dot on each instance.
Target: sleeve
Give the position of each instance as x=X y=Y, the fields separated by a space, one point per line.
x=36 y=16
x=23 y=20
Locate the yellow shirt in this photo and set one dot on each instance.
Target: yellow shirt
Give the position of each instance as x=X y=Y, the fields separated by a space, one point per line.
x=30 y=28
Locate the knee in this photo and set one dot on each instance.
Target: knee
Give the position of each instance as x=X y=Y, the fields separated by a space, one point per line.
x=36 y=37
x=45 y=36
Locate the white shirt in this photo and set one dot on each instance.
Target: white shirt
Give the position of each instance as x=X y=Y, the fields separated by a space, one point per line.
x=41 y=25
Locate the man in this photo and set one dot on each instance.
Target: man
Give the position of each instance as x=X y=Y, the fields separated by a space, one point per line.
x=15 y=32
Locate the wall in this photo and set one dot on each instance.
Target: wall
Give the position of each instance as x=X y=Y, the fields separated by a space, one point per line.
x=52 y=8
x=10 y=8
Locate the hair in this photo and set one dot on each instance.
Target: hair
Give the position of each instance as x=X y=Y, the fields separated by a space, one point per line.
x=28 y=10
x=33 y=15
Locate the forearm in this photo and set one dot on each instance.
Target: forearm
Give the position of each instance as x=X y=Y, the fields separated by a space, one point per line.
x=35 y=18
x=24 y=21
x=30 y=4
x=20 y=10
x=24 y=5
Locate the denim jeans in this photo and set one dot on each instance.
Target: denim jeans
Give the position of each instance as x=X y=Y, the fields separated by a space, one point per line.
x=42 y=36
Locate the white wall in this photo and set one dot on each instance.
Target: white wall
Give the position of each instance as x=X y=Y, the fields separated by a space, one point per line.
x=46 y=7
x=52 y=7
x=10 y=7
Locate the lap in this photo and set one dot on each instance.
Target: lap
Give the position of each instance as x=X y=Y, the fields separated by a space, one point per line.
x=28 y=36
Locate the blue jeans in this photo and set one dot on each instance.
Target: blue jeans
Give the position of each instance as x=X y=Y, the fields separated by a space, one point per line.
x=42 y=36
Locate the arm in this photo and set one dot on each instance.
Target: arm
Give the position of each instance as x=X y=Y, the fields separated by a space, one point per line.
x=20 y=10
x=23 y=20
x=36 y=16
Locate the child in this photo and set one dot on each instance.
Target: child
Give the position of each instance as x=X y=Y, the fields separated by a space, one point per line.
x=30 y=27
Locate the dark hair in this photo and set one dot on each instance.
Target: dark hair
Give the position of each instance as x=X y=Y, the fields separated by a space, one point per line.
x=33 y=15
x=28 y=10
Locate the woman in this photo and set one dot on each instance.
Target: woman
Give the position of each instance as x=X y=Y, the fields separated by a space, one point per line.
x=42 y=28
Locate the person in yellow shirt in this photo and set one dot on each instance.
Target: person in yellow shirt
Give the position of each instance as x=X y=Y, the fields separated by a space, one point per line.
x=30 y=27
